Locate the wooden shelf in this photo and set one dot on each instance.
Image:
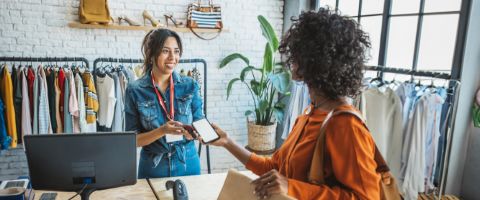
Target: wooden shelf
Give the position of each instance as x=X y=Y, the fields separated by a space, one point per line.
x=144 y=28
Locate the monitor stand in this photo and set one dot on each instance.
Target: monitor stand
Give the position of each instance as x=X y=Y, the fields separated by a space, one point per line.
x=86 y=193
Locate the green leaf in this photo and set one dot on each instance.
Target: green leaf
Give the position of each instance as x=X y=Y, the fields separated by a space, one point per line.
x=262 y=105
x=248 y=112
x=255 y=87
x=232 y=57
x=268 y=32
x=245 y=71
x=268 y=59
x=278 y=114
x=230 y=84
x=281 y=81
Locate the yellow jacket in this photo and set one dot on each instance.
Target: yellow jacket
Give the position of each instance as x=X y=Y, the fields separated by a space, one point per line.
x=7 y=96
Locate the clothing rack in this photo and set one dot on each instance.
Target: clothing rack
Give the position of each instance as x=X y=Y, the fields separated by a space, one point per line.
x=46 y=59
x=454 y=92
x=195 y=60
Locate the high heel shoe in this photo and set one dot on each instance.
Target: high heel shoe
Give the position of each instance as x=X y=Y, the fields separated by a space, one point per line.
x=155 y=23
x=128 y=20
x=175 y=22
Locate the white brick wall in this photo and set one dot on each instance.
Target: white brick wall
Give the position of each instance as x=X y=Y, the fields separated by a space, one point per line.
x=38 y=28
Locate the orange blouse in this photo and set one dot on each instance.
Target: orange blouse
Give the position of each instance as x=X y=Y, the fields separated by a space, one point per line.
x=349 y=159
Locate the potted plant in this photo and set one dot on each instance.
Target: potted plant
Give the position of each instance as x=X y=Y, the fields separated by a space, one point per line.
x=264 y=83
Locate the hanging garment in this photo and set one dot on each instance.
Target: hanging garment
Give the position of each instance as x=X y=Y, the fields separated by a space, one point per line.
x=31 y=81
x=58 y=99
x=81 y=119
x=299 y=100
x=17 y=97
x=383 y=114
x=433 y=135
x=7 y=96
x=118 y=121
x=73 y=103
x=128 y=72
x=44 y=119
x=67 y=118
x=106 y=100
x=5 y=139
x=26 y=123
x=36 y=87
x=91 y=102
x=61 y=92
x=416 y=147
x=51 y=77
x=413 y=149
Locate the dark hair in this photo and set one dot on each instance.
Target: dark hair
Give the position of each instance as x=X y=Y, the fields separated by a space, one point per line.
x=153 y=43
x=329 y=50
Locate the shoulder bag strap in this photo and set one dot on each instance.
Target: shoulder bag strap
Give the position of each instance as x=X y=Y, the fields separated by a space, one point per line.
x=316 y=168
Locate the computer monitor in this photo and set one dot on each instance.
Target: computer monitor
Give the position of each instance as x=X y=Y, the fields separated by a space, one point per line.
x=81 y=162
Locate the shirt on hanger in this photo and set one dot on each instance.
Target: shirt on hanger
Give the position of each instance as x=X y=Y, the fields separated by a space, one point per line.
x=91 y=102
x=67 y=118
x=106 y=100
x=5 y=139
x=58 y=110
x=82 y=118
x=51 y=91
x=26 y=123
x=73 y=103
x=383 y=116
x=7 y=96
x=44 y=120
x=36 y=87
x=118 y=119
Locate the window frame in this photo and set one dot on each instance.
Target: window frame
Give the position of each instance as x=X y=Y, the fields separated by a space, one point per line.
x=460 y=39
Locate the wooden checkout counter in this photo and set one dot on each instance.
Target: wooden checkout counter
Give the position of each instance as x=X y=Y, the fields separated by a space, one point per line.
x=201 y=187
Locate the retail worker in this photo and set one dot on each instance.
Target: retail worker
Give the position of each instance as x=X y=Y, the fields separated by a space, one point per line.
x=158 y=104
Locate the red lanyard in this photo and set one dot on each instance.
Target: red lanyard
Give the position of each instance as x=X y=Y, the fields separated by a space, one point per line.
x=170 y=116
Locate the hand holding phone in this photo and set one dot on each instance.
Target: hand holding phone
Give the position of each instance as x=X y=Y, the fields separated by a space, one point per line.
x=205 y=130
x=190 y=130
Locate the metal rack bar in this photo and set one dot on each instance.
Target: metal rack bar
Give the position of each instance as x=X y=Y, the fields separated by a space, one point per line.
x=46 y=59
x=410 y=72
x=194 y=60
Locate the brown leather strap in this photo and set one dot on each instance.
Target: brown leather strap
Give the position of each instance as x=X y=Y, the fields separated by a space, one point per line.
x=316 y=169
x=203 y=38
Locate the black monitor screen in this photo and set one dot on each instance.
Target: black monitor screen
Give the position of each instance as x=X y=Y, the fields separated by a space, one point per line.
x=69 y=162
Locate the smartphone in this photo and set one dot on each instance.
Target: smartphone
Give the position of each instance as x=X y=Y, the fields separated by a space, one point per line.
x=205 y=129
x=48 y=196
x=190 y=130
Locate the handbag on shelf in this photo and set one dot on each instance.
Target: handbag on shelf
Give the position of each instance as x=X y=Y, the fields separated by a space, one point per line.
x=388 y=185
x=204 y=15
x=94 y=12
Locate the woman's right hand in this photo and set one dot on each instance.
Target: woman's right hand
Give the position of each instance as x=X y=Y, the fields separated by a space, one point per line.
x=174 y=128
x=223 y=140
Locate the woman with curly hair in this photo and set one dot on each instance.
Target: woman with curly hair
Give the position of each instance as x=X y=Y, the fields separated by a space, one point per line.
x=327 y=52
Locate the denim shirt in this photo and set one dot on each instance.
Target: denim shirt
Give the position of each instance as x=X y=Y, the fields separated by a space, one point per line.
x=143 y=112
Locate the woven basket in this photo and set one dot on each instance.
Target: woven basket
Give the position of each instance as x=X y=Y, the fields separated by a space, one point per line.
x=261 y=138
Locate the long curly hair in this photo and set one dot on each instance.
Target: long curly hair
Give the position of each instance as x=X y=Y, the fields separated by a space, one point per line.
x=329 y=52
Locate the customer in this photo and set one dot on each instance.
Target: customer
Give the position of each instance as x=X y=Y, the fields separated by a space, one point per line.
x=327 y=52
x=159 y=103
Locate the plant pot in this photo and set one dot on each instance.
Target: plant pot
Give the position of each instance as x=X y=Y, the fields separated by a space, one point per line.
x=261 y=138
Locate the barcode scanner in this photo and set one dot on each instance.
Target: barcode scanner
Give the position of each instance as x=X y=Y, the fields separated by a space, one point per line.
x=179 y=189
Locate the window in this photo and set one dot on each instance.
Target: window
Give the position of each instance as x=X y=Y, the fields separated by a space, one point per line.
x=409 y=34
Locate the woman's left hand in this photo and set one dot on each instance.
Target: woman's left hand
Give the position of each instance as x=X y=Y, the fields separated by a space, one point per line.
x=270 y=183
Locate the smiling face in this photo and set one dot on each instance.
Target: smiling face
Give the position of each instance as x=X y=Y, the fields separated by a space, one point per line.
x=168 y=57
